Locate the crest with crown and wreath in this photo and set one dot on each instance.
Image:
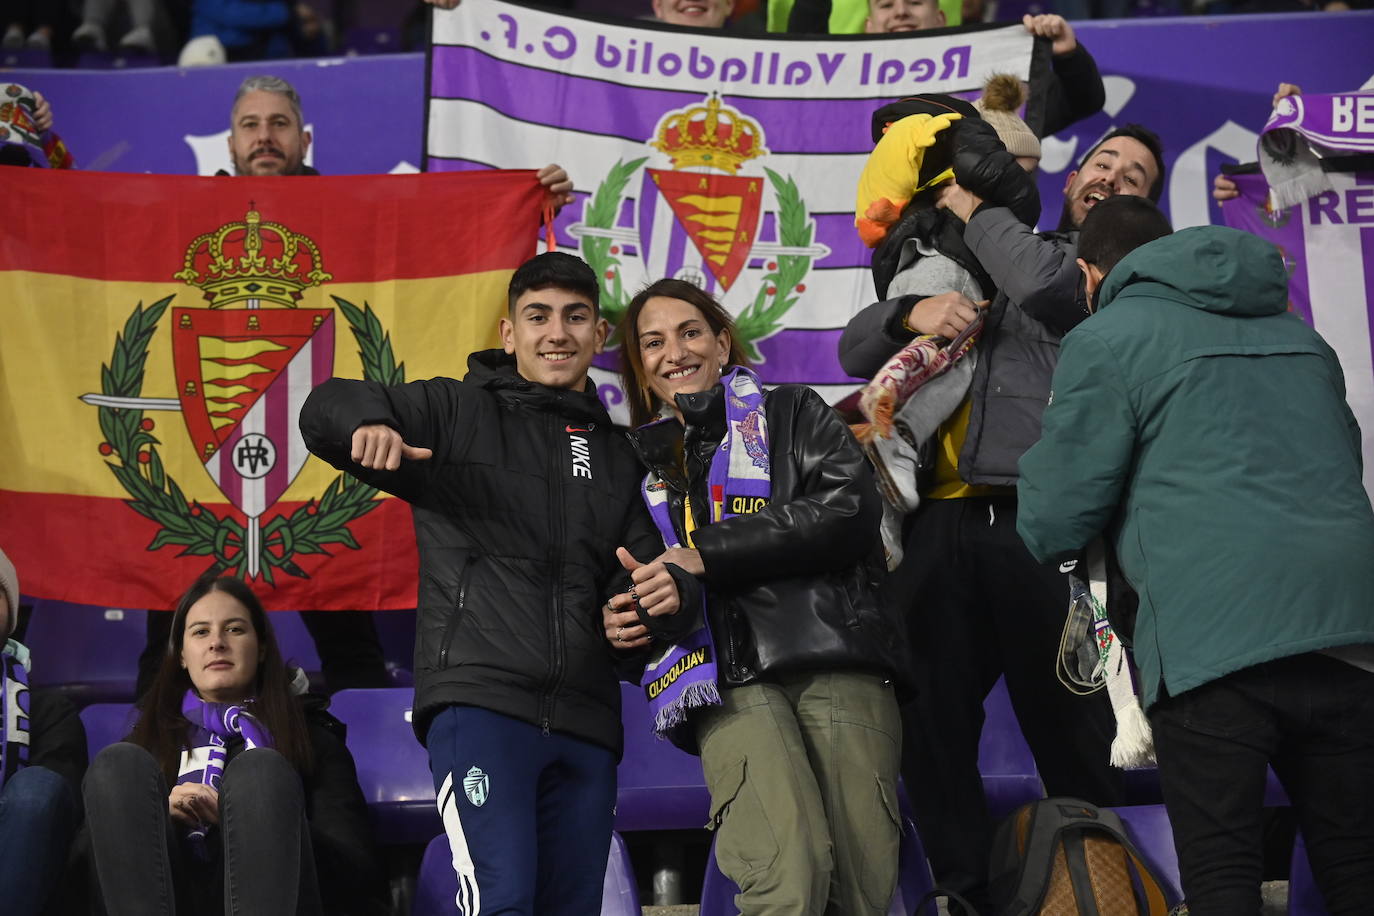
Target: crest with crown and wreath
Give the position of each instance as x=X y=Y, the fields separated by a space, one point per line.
x=707 y=145
x=244 y=361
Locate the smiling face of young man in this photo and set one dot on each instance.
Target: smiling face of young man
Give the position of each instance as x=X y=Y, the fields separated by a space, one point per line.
x=1121 y=165
x=553 y=334
x=265 y=135
x=704 y=14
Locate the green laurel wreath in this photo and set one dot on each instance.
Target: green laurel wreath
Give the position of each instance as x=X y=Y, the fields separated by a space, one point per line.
x=761 y=318
x=602 y=213
x=195 y=527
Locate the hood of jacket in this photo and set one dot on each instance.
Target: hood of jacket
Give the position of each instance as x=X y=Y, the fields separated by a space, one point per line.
x=1210 y=268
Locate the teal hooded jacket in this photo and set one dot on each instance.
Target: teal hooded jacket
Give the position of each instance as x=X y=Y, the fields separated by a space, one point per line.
x=1203 y=428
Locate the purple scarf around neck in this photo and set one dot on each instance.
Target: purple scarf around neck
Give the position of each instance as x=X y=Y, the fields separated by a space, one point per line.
x=684 y=675
x=205 y=754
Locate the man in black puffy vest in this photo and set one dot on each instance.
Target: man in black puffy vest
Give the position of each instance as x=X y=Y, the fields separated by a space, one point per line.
x=521 y=490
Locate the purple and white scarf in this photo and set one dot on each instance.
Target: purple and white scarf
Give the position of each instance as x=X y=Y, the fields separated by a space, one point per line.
x=1305 y=129
x=203 y=759
x=684 y=675
x=14 y=709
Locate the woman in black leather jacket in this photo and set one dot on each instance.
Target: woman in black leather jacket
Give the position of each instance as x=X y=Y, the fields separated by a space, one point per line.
x=765 y=497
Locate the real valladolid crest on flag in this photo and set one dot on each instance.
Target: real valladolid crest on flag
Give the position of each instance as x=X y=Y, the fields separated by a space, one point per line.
x=162 y=336
x=726 y=161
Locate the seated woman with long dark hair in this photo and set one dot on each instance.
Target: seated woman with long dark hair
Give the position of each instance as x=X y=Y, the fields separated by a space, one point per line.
x=785 y=684
x=263 y=816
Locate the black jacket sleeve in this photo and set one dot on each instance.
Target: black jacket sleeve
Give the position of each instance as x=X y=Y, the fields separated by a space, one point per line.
x=340 y=830
x=1037 y=273
x=428 y=414
x=873 y=335
x=57 y=737
x=830 y=526
x=1076 y=91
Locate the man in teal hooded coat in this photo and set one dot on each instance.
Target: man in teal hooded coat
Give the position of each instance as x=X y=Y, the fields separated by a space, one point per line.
x=1203 y=430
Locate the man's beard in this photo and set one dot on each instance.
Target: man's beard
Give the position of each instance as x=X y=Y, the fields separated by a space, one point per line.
x=246 y=166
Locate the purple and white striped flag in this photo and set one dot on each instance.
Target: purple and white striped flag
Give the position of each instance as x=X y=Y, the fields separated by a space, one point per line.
x=725 y=160
x=1327 y=242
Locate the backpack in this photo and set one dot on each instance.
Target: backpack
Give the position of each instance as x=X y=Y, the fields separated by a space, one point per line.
x=1065 y=857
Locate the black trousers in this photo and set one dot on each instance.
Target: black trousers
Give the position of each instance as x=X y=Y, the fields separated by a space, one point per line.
x=978 y=607
x=1312 y=718
x=261 y=859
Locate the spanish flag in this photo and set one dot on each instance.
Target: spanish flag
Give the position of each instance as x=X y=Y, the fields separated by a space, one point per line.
x=159 y=336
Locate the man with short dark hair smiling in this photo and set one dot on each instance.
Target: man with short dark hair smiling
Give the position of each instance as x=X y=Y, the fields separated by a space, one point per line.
x=522 y=491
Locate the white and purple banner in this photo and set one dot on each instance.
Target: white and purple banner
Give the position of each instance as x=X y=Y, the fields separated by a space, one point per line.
x=731 y=162
x=1327 y=243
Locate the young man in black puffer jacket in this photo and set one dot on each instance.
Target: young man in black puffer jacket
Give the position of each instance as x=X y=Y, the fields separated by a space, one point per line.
x=521 y=491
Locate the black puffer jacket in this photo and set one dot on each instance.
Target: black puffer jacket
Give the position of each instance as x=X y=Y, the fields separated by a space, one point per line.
x=517 y=517
x=789 y=588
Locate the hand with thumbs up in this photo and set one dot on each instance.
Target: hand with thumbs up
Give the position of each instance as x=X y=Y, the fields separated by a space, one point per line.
x=378 y=447
x=654 y=589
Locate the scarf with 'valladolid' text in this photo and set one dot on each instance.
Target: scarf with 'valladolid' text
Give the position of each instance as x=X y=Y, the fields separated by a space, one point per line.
x=15 y=727
x=1306 y=131
x=684 y=675
x=203 y=758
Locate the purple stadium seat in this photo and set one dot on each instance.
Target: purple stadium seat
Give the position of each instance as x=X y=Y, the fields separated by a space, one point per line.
x=660 y=787
x=913 y=880
x=122 y=60
x=393 y=768
x=1148 y=827
x=1010 y=778
x=26 y=58
x=372 y=41
x=1304 y=898
x=438 y=886
x=87 y=652
x=106 y=723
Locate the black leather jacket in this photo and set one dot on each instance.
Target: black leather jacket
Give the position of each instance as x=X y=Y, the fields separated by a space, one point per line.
x=791 y=587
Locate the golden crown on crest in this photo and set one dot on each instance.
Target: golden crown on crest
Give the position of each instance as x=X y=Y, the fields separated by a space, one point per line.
x=711 y=135
x=253 y=260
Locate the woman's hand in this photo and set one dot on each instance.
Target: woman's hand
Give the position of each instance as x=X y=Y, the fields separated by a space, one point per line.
x=621 y=623
x=193 y=804
x=653 y=589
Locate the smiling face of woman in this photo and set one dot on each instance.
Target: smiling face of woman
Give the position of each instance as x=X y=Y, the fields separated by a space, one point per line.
x=220 y=649
x=679 y=352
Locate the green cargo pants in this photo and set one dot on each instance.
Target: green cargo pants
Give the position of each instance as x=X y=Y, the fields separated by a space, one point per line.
x=802 y=771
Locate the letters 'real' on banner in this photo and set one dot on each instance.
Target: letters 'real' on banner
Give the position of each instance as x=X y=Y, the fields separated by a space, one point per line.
x=728 y=161
x=160 y=334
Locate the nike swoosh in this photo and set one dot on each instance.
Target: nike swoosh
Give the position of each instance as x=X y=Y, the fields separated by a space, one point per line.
x=577 y=429
x=1068 y=566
